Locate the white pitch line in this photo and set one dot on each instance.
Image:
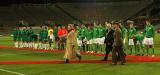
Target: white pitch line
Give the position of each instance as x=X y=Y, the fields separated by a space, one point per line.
x=13 y=72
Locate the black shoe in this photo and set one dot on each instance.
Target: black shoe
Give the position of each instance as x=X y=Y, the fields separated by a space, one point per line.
x=79 y=58
x=122 y=63
x=67 y=61
x=103 y=60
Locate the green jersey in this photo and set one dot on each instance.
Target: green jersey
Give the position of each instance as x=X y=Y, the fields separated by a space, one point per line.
x=23 y=34
x=27 y=36
x=79 y=33
x=19 y=35
x=101 y=32
x=34 y=37
x=95 y=32
x=132 y=32
x=84 y=32
x=41 y=35
x=89 y=35
x=55 y=32
x=149 y=31
x=30 y=35
x=124 y=31
x=45 y=35
x=139 y=37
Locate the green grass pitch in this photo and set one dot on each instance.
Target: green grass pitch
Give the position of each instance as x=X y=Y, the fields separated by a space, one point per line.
x=69 y=69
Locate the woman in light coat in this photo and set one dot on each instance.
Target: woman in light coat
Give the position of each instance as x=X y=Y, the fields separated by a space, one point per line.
x=71 y=43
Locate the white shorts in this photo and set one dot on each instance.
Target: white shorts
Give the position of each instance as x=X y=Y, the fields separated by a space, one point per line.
x=95 y=41
x=79 y=42
x=101 y=40
x=148 y=41
x=131 y=42
x=89 y=42
x=98 y=40
x=138 y=43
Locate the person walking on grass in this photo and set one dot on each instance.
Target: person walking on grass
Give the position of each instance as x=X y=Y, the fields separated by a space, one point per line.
x=71 y=43
x=117 y=52
x=109 y=39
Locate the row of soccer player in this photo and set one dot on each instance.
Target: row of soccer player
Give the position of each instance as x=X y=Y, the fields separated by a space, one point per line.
x=92 y=38
x=89 y=38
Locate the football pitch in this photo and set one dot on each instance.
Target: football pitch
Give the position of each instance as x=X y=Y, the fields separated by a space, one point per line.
x=39 y=62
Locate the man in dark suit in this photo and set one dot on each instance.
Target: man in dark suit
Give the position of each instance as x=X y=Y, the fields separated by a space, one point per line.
x=117 y=52
x=109 y=39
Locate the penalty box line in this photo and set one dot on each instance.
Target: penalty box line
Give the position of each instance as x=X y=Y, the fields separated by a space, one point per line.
x=12 y=72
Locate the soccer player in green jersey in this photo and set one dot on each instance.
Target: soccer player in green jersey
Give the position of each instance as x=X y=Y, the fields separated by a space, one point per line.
x=89 y=37
x=101 y=36
x=23 y=34
x=27 y=37
x=15 y=37
x=95 y=37
x=139 y=40
x=40 y=38
x=132 y=32
x=83 y=37
x=55 y=33
x=31 y=44
x=149 y=33
x=20 y=42
x=124 y=35
x=19 y=37
x=45 y=38
x=35 y=40
x=79 y=41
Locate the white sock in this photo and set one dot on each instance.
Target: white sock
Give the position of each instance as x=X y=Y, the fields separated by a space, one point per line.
x=26 y=44
x=23 y=45
x=46 y=47
x=20 y=44
x=15 y=44
x=40 y=45
x=32 y=45
x=43 y=46
x=35 y=45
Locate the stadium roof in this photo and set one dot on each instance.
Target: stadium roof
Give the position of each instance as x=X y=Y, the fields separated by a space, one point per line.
x=55 y=1
x=10 y=2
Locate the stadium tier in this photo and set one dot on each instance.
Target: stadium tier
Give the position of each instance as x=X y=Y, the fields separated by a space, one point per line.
x=64 y=13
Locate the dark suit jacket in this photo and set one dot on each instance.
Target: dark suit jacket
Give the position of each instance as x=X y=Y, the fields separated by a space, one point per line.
x=117 y=38
x=109 y=37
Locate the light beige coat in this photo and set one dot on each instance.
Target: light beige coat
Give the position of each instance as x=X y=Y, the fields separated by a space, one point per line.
x=70 y=51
